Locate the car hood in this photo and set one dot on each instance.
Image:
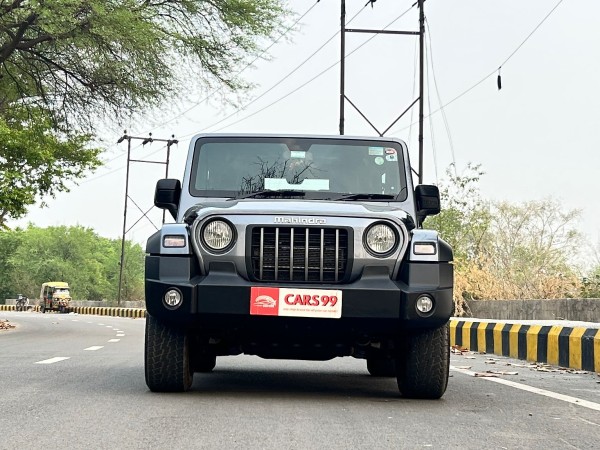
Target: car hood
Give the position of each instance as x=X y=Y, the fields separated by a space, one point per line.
x=287 y=207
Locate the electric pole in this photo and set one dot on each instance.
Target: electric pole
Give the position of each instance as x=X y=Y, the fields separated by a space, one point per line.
x=420 y=99
x=145 y=140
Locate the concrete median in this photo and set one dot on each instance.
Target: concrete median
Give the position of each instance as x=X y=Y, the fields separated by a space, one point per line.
x=575 y=347
x=134 y=313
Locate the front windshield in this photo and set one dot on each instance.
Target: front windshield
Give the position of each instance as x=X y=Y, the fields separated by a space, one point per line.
x=62 y=291
x=231 y=167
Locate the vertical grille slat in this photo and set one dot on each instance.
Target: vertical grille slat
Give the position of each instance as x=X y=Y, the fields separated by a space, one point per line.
x=262 y=246
x=306 y=265
x=276 y=252
x=321 y=262
x=292 y=254
x=299 y=254
x=337 y=254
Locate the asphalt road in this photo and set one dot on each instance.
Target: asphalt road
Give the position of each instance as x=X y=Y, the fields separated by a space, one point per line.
x=96 y=397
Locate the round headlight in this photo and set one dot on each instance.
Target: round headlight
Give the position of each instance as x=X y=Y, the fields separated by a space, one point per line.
x=381 y=239
x=217 y=235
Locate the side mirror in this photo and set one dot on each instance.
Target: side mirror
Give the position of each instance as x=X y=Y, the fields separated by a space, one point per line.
x=167 y=195
x=427 y=198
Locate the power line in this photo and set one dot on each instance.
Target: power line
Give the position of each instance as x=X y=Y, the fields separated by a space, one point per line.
x=313 y=78
x=285 y=32
x=284 y=78
x=431 y=131
x=437 y=90
x=493 y=72
x=532 y=32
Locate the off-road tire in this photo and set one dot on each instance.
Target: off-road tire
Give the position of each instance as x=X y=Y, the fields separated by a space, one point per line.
x=381 y=367
x=43 y=309
x=423 y=363
x=167 y=358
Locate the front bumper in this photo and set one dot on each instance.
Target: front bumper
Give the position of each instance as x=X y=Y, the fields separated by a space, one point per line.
x=372 y=303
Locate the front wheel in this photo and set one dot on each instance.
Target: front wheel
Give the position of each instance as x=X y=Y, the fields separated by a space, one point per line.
x=423 y=363
x=167 y=357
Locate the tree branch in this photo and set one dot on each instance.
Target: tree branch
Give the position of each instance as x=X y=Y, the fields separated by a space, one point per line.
x=8 y=49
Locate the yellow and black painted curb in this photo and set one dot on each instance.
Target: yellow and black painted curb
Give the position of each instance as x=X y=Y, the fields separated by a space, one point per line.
x=134 y=313
x=572 y=347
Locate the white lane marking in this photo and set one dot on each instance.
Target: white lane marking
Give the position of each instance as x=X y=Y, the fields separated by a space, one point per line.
x=53 y=360
x=74 y=320
x=101 y=324
x=120 y=334
x=88 y=322
x=95 y=347
x=534 y=390
x=114 y=340
x=108 y=326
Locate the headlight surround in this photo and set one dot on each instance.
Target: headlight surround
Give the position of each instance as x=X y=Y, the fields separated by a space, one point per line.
x=217 y=235
x=381 y=239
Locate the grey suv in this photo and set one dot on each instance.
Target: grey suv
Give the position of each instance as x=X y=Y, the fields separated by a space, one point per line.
x=298 y=247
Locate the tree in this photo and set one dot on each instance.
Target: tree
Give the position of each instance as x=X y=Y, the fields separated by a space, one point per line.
x=37 y=161
x=504 y=250
x=77 y=255
x=9 y=242
x=81 y=58
x=464 y=223
x=65 y=64
x=465 y=217
x=532 y=248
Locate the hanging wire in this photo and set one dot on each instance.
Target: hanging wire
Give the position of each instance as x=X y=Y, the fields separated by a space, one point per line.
x=439 y=97
x=486 y=77
x=284 y=78
x=431 y=128
x=250 y=64
x=313 y=78
x=414 y=90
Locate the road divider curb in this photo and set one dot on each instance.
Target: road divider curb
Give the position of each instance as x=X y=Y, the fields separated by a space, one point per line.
x=134 y=313
x=570 y=347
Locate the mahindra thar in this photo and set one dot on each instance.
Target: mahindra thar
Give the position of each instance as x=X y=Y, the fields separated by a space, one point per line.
x=298 y=247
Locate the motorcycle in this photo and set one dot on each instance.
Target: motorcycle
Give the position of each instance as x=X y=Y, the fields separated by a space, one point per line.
x=22 y=303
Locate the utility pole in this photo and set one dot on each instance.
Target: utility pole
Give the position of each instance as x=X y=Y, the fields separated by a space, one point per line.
x=420 y=99
x=145 y=140
x=421 y=93
x=342 y=65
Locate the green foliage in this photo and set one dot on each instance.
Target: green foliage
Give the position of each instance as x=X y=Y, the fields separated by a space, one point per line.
x=65 y=64
x=504 y=250
x=465 y=217
x=36 y=161
x=80 y=58
x=77 y=255
x=532 y=242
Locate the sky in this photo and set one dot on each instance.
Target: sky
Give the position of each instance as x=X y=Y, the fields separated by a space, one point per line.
x=536 y=138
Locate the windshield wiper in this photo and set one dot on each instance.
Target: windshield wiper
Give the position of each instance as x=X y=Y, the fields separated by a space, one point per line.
x=365 y=197
x=267 y=193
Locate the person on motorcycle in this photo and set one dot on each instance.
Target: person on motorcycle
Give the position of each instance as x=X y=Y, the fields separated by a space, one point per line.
x=22 y=302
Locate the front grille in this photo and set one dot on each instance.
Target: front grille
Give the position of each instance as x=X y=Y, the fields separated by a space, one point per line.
x=299 y=254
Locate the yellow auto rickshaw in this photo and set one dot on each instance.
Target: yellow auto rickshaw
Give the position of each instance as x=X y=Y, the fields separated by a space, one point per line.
x=55 y=296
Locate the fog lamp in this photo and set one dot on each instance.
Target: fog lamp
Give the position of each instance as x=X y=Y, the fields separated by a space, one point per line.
x=424 y=304
x=173 y=298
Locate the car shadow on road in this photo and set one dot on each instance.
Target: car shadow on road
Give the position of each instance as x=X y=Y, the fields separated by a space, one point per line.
x=293 y=383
